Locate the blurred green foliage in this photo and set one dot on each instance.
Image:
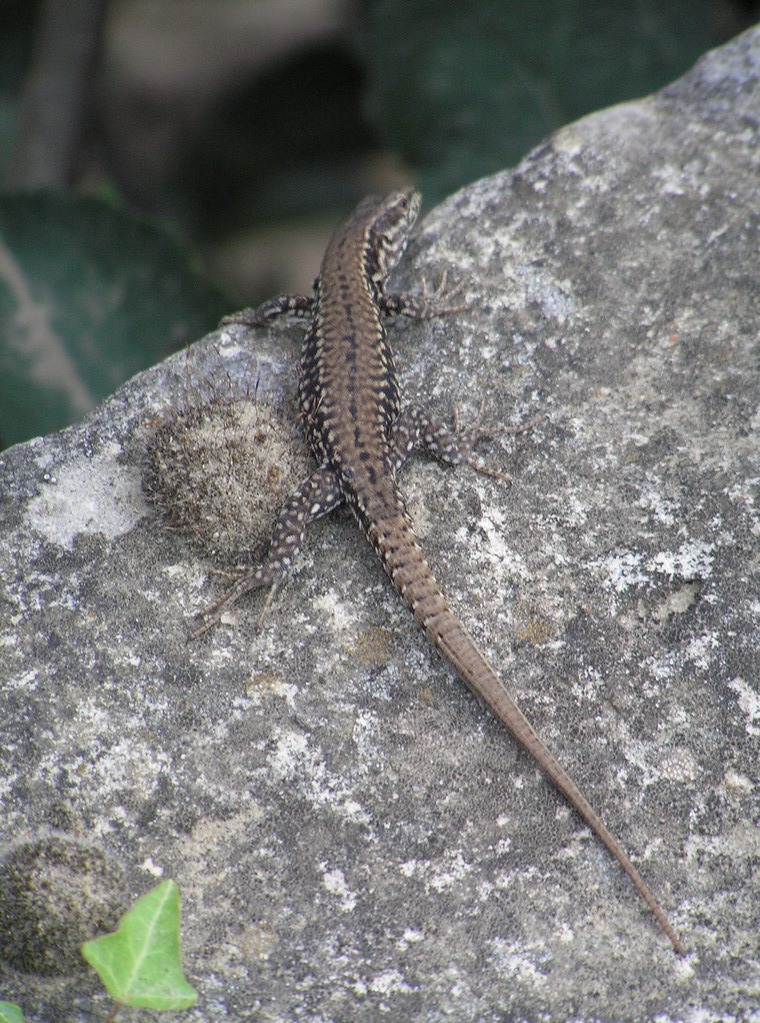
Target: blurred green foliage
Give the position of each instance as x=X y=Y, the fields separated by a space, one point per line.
x=465 y=89
x=454 y=91
x=89 y=295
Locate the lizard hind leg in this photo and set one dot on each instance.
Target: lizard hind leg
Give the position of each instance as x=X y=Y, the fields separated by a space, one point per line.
x=250 y=579
x=415 y=429
x=316 y=496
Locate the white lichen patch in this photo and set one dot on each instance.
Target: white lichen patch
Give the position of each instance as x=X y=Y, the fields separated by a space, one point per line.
x=629 y=569
x=335 y=883
x=692 y=560
x=622 y=571
x=87 y=495
x=749 y=704
x=389 y=981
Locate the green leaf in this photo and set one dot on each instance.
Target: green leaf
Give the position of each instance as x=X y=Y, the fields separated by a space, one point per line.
x=466 y=89
x=10 y=1013
x=89 y=295
x=140 y=962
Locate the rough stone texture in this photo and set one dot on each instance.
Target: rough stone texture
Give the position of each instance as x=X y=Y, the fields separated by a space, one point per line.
x=353 y=835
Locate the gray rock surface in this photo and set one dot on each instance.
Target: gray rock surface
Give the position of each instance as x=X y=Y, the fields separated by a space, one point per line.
x=353 y=835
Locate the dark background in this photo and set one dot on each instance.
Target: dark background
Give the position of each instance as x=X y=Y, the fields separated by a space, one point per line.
x=165 y=161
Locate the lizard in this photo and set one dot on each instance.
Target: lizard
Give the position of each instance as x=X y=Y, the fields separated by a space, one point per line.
x=350 y=402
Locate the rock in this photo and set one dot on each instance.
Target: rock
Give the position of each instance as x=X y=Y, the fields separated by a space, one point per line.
x=353 y=835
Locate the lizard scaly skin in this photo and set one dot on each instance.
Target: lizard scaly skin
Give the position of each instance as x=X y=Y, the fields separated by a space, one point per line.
x=351 y=404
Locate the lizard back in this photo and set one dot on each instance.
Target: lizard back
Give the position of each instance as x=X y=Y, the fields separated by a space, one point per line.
x=348 y=390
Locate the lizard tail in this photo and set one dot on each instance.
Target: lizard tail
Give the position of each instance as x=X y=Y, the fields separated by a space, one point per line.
x=414 y=580
x=459 y=649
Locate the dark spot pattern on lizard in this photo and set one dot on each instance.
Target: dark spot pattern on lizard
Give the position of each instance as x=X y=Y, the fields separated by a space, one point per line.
x=361 y=438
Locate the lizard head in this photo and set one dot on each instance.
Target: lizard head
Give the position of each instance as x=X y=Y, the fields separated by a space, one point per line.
x=389 y=230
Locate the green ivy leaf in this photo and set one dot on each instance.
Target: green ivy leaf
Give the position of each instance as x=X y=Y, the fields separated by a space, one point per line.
x=89 y=296
x=140 y=962
x=10 y=1013
x=465 y=89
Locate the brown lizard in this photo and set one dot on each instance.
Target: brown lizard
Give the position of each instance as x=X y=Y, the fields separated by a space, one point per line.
x=351 y=404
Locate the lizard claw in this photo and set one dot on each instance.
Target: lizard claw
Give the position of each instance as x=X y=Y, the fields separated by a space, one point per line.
x=477 y=433
x=248 y=579
x=432 y=300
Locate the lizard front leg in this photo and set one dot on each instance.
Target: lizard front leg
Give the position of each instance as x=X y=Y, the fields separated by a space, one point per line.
x=280 y=305
x=426 y=306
